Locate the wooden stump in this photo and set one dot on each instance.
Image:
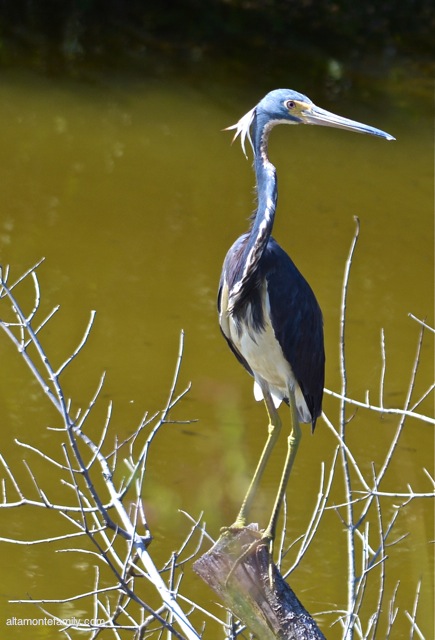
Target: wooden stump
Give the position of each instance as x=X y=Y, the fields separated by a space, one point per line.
x=260 y=598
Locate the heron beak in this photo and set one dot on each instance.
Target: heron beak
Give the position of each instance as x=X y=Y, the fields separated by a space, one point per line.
x=316 y=115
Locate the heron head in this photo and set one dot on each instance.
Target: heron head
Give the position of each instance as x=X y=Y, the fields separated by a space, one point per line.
x=285 y=106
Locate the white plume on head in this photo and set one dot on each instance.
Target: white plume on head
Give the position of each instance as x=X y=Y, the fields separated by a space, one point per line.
x=243 y=129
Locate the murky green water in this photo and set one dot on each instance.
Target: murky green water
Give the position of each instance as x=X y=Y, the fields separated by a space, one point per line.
x=133 y=194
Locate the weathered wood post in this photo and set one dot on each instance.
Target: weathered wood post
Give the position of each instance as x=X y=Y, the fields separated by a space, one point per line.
x=260 y=599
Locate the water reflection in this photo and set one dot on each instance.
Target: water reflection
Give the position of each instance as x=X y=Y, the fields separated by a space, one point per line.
x=133 y=197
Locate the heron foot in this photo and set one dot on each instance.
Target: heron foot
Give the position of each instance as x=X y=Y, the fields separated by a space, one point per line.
x=237 y=526
x=264 y=538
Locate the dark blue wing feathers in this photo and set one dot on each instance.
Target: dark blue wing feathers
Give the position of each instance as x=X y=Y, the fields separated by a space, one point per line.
x=297 y=322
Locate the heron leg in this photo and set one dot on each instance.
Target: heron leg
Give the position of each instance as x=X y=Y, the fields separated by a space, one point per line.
x=292 y=447
x=273 y=433
x=293 y=440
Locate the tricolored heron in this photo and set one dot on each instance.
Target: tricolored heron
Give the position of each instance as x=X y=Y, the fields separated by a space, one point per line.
x=268 y=312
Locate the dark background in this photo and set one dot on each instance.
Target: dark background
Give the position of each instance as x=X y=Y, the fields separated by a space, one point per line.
x=78 y=37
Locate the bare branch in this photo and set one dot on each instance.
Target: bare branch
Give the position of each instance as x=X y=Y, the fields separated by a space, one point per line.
x=422 y=322
x=381 y=409
x=79 y=346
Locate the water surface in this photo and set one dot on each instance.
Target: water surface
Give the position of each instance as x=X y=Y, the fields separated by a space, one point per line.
x=133 y=194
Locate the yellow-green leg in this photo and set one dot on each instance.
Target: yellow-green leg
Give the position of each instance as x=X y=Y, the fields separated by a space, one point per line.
x=273 y=433
x=292 y=448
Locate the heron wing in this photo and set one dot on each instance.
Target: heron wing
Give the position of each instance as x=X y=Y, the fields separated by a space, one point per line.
x=297 y=323
x=222 y=304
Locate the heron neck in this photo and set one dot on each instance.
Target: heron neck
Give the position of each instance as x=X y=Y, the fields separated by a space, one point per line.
x=266 y=186
x=245 y=279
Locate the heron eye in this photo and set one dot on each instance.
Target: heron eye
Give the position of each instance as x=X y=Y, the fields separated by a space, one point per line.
x=290 y=104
